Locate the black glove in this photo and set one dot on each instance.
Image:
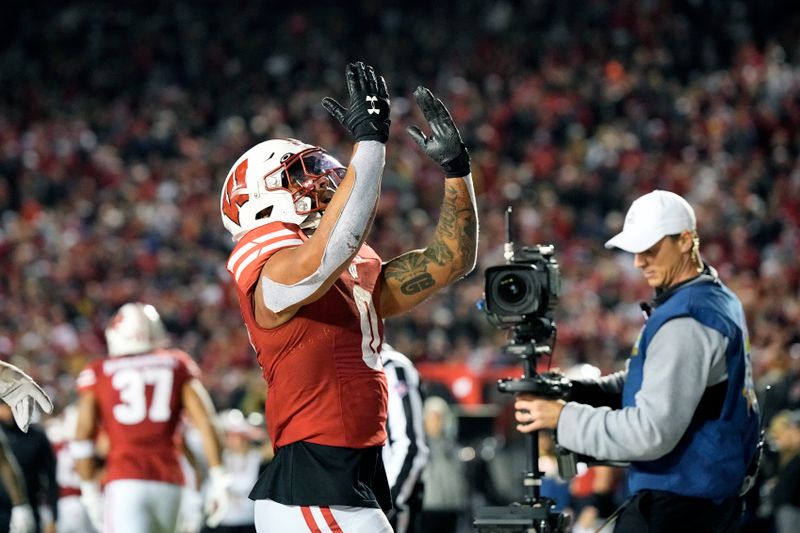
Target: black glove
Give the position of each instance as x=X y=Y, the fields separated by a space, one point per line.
x=445 y=145
x=367 y=118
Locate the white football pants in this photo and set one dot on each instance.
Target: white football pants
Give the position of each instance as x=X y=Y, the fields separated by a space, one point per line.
x=140 y=506
x=273 y=517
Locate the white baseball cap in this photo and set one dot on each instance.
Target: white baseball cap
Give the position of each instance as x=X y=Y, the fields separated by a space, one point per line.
x=651 y=218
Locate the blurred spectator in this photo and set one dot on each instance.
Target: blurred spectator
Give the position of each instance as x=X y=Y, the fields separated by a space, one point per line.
x=784 y=434
x=243 y=460
x=33 y=452
x=445 y=497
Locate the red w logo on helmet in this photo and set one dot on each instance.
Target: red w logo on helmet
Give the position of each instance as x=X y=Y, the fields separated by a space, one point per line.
x=116 y=320
x=234 y=197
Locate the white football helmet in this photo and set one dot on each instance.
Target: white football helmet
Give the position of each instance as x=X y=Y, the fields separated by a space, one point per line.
x=279 y=180
x=135 y=328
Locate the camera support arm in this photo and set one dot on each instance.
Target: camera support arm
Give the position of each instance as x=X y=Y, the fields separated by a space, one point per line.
x=548 y=385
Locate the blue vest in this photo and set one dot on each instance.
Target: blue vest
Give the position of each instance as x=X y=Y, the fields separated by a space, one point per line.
x=711 y=458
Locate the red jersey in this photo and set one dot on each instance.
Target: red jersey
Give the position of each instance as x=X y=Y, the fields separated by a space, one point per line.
x=325 y=380
x=139 y=403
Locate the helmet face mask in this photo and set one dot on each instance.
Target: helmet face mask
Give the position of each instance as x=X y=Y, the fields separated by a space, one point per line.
x=279 y=180
x=314 y=175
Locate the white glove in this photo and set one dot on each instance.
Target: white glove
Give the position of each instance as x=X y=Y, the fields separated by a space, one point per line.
x=190 y=519
x=217 y=495
x=92 y=500
x=19 y=391
x=22 y=519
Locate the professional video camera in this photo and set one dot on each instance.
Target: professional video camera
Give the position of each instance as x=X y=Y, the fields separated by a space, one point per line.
x=524 y=291
x=521 y=296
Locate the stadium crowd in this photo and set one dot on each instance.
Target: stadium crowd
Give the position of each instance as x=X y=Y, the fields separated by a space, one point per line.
x=118 y=122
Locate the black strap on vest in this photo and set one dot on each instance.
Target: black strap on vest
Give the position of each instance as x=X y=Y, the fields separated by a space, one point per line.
x=710 y=405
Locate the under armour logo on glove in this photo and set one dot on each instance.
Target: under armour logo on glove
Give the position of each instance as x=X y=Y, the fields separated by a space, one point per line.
x=367 y=118
x=372 y=101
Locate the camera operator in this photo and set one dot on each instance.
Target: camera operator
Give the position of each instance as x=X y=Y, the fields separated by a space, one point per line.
x=684 y=411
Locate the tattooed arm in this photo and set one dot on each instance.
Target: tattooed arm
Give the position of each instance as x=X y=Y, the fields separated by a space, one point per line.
x=414 y=276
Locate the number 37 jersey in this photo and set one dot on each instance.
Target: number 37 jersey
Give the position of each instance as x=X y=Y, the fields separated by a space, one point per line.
x=139 y=406
x=325 y=380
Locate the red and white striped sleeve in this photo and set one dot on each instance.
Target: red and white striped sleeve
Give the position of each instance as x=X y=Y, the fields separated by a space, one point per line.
x=253 y=250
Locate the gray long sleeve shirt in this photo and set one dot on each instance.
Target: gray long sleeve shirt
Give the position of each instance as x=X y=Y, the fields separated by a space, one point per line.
x=683 y=359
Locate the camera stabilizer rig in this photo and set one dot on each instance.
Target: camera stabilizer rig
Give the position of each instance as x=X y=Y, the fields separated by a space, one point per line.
x=521 y=296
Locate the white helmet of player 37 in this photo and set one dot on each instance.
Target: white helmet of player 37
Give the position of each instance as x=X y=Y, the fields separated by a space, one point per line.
x=135 y=328
x=282 y=180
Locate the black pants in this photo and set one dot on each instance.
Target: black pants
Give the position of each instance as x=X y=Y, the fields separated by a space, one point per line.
x=229 y=529
x=655 y=511
x=439 y=521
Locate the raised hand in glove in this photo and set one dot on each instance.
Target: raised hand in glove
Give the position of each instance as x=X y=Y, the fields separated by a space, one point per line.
x=367 y=118
x=444 y=145
x=19 y=391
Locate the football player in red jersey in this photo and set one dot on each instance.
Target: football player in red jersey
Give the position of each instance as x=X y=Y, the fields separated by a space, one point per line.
x=313 y=296
x=137 y=396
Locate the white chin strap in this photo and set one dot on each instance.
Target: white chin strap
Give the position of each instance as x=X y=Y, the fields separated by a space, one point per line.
x=347 y=233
